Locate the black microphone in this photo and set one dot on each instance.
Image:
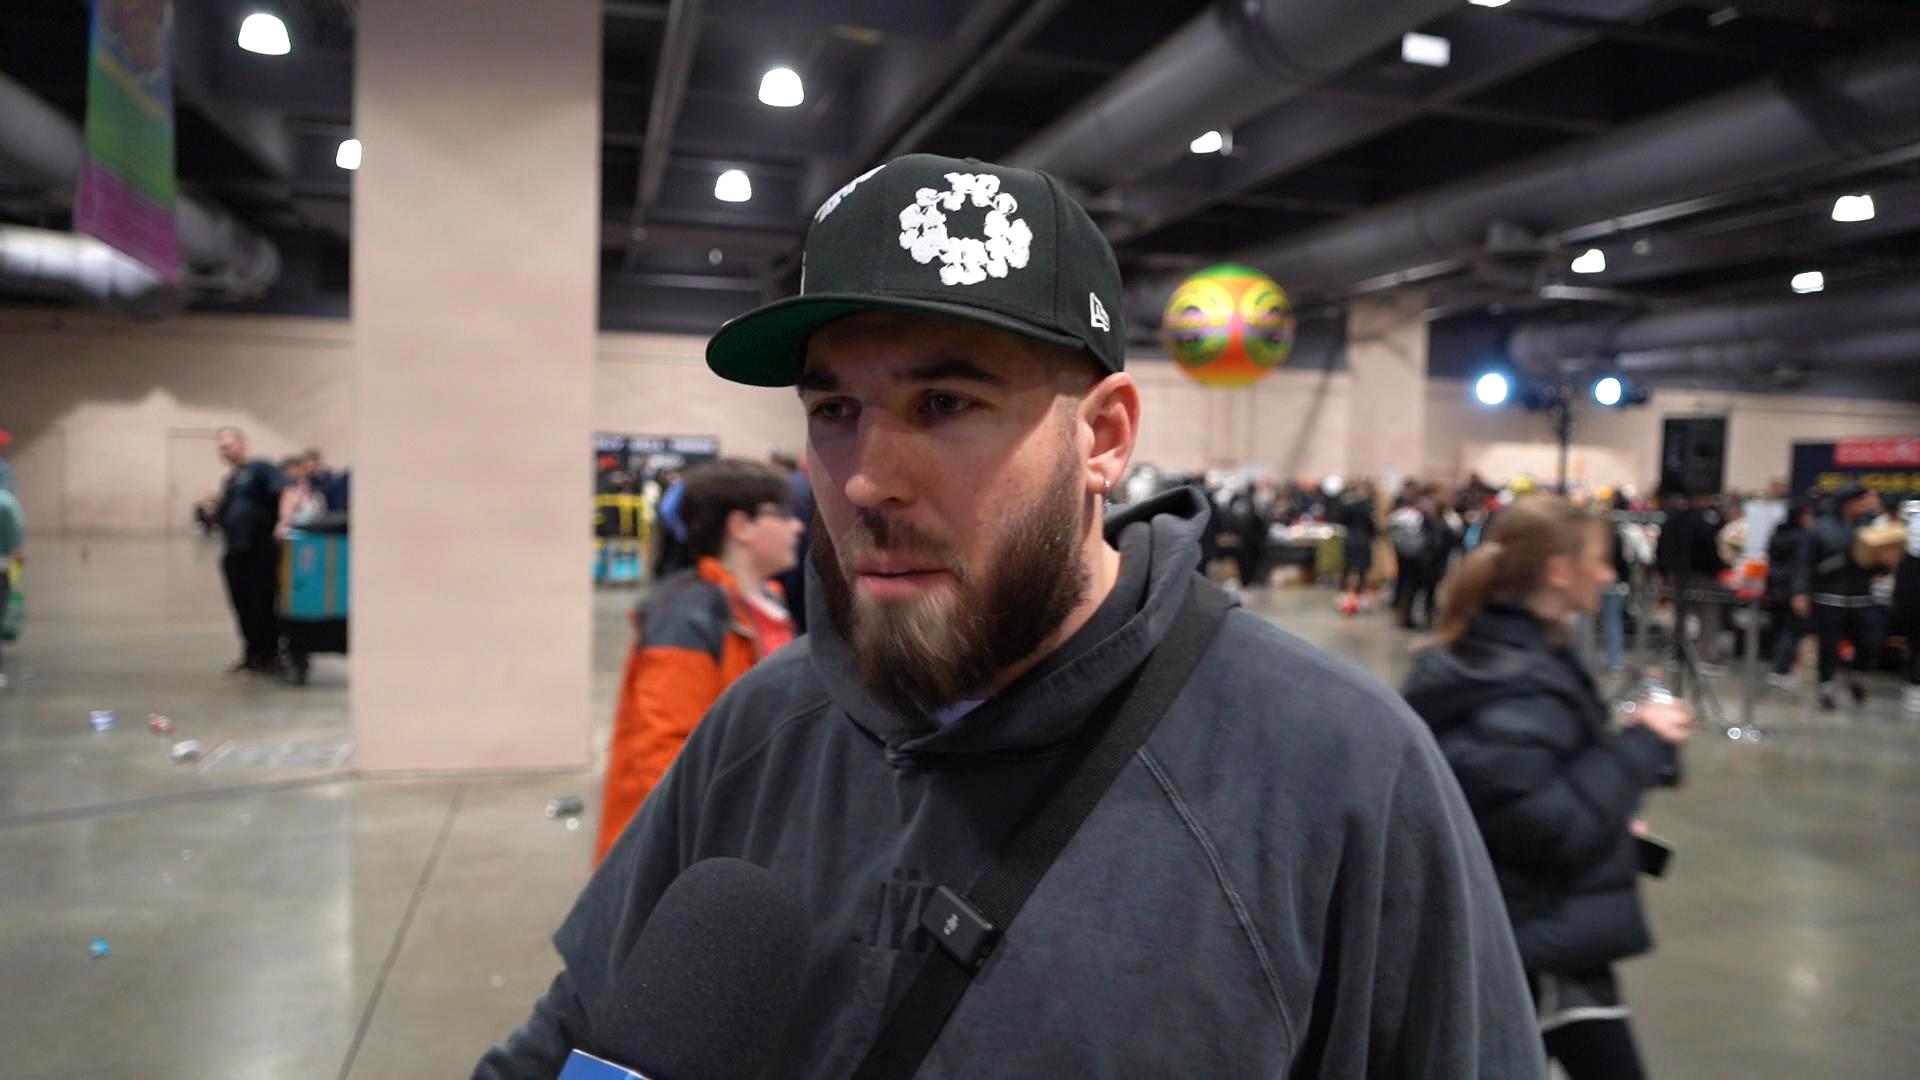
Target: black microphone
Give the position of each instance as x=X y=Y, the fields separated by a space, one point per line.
x=707 y=990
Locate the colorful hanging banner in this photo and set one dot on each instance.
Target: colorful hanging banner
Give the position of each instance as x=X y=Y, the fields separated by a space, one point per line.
x=126 y=194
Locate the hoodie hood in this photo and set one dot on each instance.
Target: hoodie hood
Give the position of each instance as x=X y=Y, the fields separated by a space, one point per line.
x=1158 y=539
x=1504 y=653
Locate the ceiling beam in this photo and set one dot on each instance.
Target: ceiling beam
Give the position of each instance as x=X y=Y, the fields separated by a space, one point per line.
x=707 y=282
x=1805 y=227
x=637 y=9
x=1681 y=41
x=745 y=243
x=1570 y=125
x=680 y=38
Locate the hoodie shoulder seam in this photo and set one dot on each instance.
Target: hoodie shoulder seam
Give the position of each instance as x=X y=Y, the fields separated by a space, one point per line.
x=760 y=747
x=1254 y=941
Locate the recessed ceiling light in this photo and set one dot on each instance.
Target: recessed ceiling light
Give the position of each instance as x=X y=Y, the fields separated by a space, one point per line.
x=348 y=156
x=733 y=186
x=1426 y=50
x=1853 y=208
x=1211 y=143
x=781 y=88
x=264 y=34
x=1808 y=282
x=1592 y=261
x=1488 y=3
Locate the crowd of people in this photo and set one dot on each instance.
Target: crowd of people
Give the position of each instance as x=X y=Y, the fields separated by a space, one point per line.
x=1835 y=565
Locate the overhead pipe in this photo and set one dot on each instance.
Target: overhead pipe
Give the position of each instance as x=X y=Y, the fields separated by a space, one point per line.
x=1768 y=130
x=1228 y=64
x=1863 y=351
x=1835 y=314
x=39 y=145
x=48 y=262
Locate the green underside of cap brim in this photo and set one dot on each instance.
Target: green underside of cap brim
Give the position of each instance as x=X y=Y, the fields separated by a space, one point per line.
x=768 y=346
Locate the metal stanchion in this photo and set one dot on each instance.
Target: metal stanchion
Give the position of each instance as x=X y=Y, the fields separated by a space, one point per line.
x=1752 y=688
x=1640 y=603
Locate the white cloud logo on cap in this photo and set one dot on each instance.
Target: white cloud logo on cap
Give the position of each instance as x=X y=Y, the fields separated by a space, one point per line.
x=966 y=260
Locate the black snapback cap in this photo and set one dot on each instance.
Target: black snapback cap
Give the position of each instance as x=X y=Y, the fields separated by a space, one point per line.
x=964 y=240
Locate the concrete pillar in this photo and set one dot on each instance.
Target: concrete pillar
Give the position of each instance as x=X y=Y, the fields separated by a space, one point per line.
x=475 y=236
x=1387 y=371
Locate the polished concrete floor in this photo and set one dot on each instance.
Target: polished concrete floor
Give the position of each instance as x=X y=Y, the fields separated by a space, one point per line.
x=299 y=921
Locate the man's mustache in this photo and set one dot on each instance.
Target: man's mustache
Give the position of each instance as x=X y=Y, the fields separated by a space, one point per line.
x=873 y=533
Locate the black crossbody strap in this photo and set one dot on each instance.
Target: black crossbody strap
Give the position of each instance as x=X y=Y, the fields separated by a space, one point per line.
x=1130 y=714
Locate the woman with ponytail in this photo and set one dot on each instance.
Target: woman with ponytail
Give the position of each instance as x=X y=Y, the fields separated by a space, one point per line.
x=1553 y=786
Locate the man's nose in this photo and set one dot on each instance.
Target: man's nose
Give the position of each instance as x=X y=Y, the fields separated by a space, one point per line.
x=885 y=457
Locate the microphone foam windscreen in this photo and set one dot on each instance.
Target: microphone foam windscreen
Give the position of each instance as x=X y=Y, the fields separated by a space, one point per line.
x=708 y=988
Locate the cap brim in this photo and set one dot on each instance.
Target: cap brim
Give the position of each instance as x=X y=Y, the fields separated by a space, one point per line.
x=768 y=345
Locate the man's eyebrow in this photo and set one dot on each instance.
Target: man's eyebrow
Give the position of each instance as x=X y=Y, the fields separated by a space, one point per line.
x=816 y=382
x=955 y=369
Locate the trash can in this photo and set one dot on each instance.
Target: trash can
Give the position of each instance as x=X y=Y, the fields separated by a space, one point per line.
x=312 y=605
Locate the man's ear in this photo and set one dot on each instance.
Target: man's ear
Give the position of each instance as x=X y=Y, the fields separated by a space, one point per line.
x=1110 y=413
x=738 y=521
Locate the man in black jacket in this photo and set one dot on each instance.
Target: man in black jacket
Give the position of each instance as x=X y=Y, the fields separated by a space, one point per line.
x=248 y=510
x=1786 y=549
x=1282 y=880
x=1837 y=592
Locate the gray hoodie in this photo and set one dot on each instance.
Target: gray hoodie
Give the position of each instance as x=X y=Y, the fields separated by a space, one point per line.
x=1284 y=882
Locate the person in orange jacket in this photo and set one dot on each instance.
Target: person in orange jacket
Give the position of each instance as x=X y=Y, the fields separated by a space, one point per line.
x=701 y=628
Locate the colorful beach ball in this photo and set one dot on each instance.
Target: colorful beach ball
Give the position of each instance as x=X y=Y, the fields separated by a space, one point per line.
x=1228 y=325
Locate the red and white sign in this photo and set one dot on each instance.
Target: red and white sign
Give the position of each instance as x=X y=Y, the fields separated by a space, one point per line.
x=1869 y=453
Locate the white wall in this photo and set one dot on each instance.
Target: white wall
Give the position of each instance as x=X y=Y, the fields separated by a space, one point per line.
x=658 y=384
x=1616 y=446
x=106 y=411
x=1293 y=423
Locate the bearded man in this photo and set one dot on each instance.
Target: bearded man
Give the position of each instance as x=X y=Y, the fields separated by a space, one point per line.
x=1279 y=877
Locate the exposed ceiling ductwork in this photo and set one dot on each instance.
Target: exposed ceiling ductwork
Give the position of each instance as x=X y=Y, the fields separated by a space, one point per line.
x=1804 y=319
x=46 y=262
x=1865 y=351
x=41 y=148
x=1233 y=62
x=1824 y=117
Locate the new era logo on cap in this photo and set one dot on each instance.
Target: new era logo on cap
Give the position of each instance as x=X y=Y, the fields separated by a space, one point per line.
x=950 y=239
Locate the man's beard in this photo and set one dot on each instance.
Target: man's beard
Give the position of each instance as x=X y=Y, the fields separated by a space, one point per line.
x=949 y=644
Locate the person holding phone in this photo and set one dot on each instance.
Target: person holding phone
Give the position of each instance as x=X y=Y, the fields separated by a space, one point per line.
x=1551 y=783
